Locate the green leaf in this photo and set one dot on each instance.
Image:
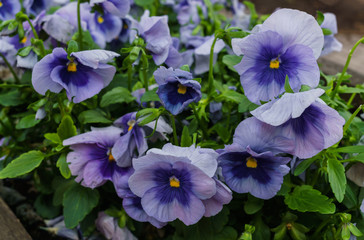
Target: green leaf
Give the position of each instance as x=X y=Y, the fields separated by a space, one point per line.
x=350 y=149
x=116 y=95
x=185 y=68
x=231 y=60
x=303 y=166
x=306 y=199
x=23 y=164
x=78 y=202
x=246 y=105
x=23 y=52
x=93 y=116
x=228 y=233
x=150 y=96
x=63 y=166
x=287 y=87
x=66 y=129
x=11 y=98
x=320 y=17
x=253 y=205
x=326 y=31
x=149 y=118
x=337 y=178
x=72 y=47
x=345 y=232
x=186 y=139
x=232 y=96
x=354 y=230
x=263 y=231
x=61 y=186
x=346 y=89
x=53 y=137
x=143 y=3
x=27 y=122
x=44 y=207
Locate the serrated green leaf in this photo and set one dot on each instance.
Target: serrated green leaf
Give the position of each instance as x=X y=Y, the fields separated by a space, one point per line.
x=25 y=163
x=150 y=96
x=53 y=137
x=93 y=116
x=11 y=98
x=78 y=202
x=116 y=95
x=66 y=129
x=231 y=60
x=337 y=178
x=186 y=139
x=27 y=122
x=306 y=199
x=63 y=166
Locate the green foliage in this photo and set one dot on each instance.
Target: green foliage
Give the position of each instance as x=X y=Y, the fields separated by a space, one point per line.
x=306 y=199
x=11 y=98
x=93 y=116
x=186 y=139
x=337 y=178
x=66 y=129
x=27 y=122
x=78 y=202
x=63 y=166
x=116 y=95
x=253 y=205
x=25 y=163
x=231 y=60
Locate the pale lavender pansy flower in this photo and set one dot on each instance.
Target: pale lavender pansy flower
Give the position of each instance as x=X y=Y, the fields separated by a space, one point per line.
x=105 y=28
x=331 y=44
x=133 y=138
x=215 y=204
x=306 y=119
x=119 y=8
x=250 y=164
x=286 y=44
x=172 y=182
x=8 y=9
x=241 y=19
x=187 y=11
x=8 y=50
x=37 y=6
x=176 y=89
x=155 y=32
x=109 y=227
x=83 y=75
x=92 y=161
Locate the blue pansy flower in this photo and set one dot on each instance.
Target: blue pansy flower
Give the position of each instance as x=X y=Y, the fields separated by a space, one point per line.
x=176 y=89
x=286 y=44
x=8 y=9
x=304 y=118
x=83 y=75
x=172 y=182
x=110 y=228
x=331 y=44
x=118 y=8
x=250 y=164
x=105 y=28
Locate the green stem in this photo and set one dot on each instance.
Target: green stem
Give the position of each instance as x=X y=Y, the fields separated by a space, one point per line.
x=336 y=89
x=79 y=25
x=130 y=72
x=61 y=106
x=211 y=67
x=203 y=126
x=144 y=69
x=351 y=99
x=10 y=68
x=41 y=46
x=347 y=124
x=174 y=130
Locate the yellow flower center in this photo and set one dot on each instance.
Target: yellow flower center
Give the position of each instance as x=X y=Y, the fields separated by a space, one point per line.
x=181 y=89
x=1 y=4
x=72 y=66
x=111 y=158
x=289 y=226
x=174 y=182
x=125 y=26
x=274 y=64
x=131 y=124
x=100 y=19
x=251 y=162
x=24 y=40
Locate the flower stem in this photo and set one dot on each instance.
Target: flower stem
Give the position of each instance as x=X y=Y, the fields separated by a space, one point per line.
x=203 y=127
x=211 y=67
x=333 y=93
x=347 y=124
x=130 y=71
x=41 y=45
x=79 y=25
x=173 y=121
x=351 y=99
x=10 y=68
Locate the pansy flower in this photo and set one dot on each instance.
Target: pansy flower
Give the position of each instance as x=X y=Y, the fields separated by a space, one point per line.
x=82 y=75
x=176 y=89
x=250 y=164
x=331 y=44
x=105 y=28
x=109 y=227
x=286 y=44
x=92 y=161
x=8 y=9
x=133 y=137
x=304 y=118
x=172 y=182
x=118 y=8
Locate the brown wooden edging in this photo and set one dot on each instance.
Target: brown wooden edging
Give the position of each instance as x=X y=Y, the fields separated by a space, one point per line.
x=10 y=226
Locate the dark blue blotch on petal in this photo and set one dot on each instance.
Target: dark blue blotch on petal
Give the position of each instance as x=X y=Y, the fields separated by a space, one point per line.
x=79 y=78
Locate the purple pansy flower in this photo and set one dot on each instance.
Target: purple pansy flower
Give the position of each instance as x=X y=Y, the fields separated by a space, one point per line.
x=172 y=182
x=241 y=19
x=187 y=11
x=105 y=28
x=116 y=7
x=176 y=89
x=91 y=159
x=8 y=9
x=155 y=32
x=215 y=204
x=109 y=227
x=331 y=44
x=133 y=137
x=276 y=50
x=250 y=164
x=83 y=75
x=304 y=118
